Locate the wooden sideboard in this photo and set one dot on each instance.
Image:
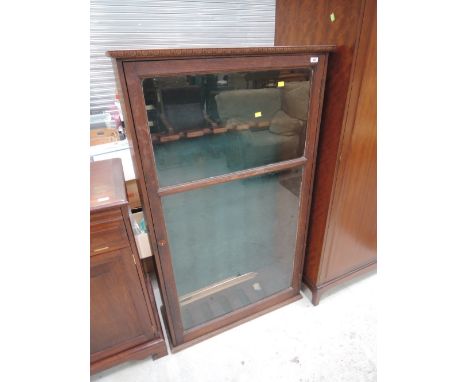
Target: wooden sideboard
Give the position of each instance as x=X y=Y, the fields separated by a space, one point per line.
x=124 y=319
x=342 y=229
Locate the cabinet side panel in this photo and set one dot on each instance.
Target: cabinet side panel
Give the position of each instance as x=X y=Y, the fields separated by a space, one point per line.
x=309 y=22
x=352 y=241
x=138 y=167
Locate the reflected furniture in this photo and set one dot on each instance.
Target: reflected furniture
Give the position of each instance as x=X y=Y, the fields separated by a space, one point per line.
x=226 y=202
x=103 y=135
x=275 y=133
x=124 y=320
x=183 y=109
x=342 y=239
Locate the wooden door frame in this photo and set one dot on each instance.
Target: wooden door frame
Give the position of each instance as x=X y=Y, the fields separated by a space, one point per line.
x=131 y=69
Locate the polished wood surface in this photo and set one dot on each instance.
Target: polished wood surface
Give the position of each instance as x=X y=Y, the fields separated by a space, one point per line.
x=130 y=73
x=352 y=239
x=137 y=160
x=337 y=191
x=119 y=316
x=148 y=69
x=217 y=52
x=308 y=22
x=124 y=322
x=108 y=236
x=107 y=185
x=320 y=289
x=243 y=174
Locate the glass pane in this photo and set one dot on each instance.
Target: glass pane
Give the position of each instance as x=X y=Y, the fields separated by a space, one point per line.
x=232 y=244
x=213 y=124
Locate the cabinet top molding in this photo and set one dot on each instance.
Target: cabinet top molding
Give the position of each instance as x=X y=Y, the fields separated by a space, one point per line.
x=217 y=52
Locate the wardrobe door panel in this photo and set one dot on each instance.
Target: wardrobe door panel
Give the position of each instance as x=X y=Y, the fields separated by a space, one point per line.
x=353 y=240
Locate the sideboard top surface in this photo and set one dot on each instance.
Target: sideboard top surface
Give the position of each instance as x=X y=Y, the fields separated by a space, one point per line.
x=107 y=184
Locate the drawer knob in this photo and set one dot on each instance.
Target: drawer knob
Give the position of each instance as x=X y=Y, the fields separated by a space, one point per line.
x=162 y=243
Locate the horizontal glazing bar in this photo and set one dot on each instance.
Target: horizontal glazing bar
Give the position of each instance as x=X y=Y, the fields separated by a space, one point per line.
x=183 y=187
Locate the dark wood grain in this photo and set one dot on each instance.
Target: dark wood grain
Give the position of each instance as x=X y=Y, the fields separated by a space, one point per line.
x=153 y=68
x=119 y=317
x=155 y=348
x=106 y=185
x=124 y=325
x=352 y=237
x=319 y=290
x=137 y=161
x=148 y=265
x=243 y=174
x=108 y=236
x=156 y=63
x=151 y=200
x=309 y=22
x=310 y=151
x=215 y=52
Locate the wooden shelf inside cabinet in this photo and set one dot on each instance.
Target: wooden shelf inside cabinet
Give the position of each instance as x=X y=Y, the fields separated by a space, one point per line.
x=124 y=325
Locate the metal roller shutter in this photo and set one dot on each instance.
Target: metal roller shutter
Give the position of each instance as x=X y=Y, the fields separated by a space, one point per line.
x=117 y=24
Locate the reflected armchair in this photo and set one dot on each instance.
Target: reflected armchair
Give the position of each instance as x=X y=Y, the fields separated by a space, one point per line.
x=183 y=112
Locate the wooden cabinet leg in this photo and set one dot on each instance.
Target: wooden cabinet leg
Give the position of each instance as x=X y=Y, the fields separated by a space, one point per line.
x=316 y=297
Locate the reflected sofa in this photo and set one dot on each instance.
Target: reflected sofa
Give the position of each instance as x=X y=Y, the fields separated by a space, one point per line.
x=269 y=123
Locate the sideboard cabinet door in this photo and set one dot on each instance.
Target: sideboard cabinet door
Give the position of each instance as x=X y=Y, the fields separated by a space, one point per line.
x=119 y=314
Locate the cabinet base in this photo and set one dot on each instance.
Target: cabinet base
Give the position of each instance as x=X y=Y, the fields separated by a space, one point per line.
x=156 y=348
x=177 y=348
x=318 y=290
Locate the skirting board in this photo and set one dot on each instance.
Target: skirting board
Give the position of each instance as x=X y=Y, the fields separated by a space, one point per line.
x=156 y=348
x=318 y=290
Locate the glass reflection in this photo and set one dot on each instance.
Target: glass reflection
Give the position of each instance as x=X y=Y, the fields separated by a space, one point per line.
x=232 y=244
x=213 y=124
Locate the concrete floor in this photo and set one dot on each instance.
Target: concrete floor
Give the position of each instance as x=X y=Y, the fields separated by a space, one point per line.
x=333 y=342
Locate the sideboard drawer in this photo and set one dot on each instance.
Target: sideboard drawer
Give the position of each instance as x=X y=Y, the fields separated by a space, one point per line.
x=105 y=216
x=108 y=236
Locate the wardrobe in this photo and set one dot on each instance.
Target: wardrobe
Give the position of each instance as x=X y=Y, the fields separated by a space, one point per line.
x=342 y=237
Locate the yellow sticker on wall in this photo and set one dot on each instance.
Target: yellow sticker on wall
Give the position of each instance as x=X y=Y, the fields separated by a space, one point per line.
x=258 y=114
x=280 y=84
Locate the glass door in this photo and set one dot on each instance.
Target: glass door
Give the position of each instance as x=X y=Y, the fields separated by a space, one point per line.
x=228 y=182
x=232 y=244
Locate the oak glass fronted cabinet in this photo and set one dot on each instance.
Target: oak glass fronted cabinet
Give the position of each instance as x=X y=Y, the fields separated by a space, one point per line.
x=224 y=142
